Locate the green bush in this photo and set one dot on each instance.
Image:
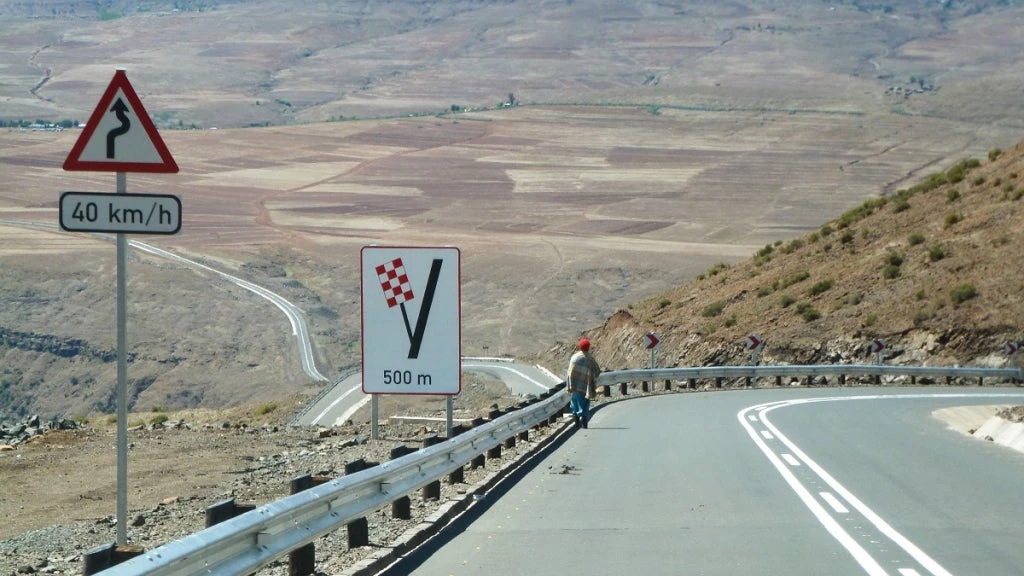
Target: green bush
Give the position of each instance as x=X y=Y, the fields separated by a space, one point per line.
x=793 y=245
x=994 y=153
x=820 y=287
x=953 y=218
x=664 y=303
x=894 y=259
x=826 y=231
x=846 y=238
x=920 y=294
x=713 y=309
x=921 y=316
x=915 y=238
x=871 y=319
x=158 y=419
x=266 y=409
x=900 y=205
x=795 y=278
x=936 y=252
x=952 y=195
x=807 y=312
x=978 y=181
x=731 y=321
x=891 y=272
x=786 y=301
x=764 y=291
x=962 y=293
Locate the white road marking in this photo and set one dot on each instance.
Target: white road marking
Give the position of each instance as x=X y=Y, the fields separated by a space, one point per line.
x=908 y=572
x=766 y=434
x=833 y=502
x=513 y=370
x=752 y=418
x=335 y=403
x=790 y=459
x=867 y=562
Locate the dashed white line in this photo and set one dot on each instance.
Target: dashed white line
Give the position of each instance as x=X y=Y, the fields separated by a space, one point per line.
x=766 y=435
x=834 y=502
x=790 y=459
x=908 y=572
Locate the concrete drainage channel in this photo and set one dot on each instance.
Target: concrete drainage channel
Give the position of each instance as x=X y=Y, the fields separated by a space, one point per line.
x=431 y=526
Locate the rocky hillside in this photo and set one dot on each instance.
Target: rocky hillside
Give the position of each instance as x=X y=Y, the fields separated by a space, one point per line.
x=933 y=269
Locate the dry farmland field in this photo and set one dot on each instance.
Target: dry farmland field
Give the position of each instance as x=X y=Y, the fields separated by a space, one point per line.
x=688 y=137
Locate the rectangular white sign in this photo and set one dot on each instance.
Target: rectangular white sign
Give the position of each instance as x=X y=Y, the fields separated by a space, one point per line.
x=137 y=213
x=412 y=320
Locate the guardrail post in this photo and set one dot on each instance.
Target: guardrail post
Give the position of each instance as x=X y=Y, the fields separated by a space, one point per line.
x=747 y=380
x=810 y=380
x=106 y=556
x=668 y=385
x=402 y=507
x=842 y=379
x=358 y=529
x=494 y=453
x=643 y=386
x=225 y=510
x=510 y=442
x=477 y=462
x=302 y=561
x=913 y=380
x=432 y=491
x=622 y=388
x=524 y=435
x=718 y=382
x=878 y=379
x=691 y=384
x=606 y=391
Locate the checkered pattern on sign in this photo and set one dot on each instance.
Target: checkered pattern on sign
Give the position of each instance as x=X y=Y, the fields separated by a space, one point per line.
x=394 y=282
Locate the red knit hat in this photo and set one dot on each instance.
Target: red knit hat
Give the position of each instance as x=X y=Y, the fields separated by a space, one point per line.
x=584 y=344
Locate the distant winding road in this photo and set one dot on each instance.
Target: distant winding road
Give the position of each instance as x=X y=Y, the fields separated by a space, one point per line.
x=293 y=312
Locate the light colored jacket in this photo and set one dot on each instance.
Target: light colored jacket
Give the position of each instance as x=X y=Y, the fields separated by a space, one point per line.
x=582 y=373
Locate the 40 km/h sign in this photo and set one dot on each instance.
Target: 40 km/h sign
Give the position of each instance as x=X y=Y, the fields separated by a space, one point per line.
x=138 y=213
x=412 y=320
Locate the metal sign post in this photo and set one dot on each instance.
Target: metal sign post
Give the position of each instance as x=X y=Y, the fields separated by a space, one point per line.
x=122 y=376
x=120 y=137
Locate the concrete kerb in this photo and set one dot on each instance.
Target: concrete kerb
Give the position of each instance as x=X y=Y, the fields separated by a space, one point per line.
x=447 y=512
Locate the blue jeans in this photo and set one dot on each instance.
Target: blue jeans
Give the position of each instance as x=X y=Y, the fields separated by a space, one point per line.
x=579 y=405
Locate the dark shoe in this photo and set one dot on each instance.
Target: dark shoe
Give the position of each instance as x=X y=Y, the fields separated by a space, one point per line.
x=584 y=420
x=576 y=419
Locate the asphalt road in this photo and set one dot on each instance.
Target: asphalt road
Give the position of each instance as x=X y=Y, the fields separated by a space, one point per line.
x=807 y=482
x=346 y=397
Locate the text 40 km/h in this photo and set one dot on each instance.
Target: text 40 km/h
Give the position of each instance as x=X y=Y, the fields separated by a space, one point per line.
x=138 y=213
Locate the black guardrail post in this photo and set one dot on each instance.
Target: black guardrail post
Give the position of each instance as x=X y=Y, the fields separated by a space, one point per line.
x=358 y=529
x=668 y=385
x=432 y=491
x=225 y=510
x=643 y=386
x=401 y=508
x=606 y=391
x=106 y=556
x=691 y=383
x=623 y=389
x=302 y=561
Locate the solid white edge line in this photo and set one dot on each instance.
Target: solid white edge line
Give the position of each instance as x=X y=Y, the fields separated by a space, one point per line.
x=860 y=555
x=834 y=502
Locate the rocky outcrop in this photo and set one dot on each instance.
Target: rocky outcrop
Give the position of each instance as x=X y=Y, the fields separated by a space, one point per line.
x=56 y=345
x=13 y=434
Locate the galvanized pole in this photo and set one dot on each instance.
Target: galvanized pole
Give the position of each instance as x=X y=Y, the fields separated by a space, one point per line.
x=652 y=358
x=122 y=377
x=374 y=416
x=449 y=408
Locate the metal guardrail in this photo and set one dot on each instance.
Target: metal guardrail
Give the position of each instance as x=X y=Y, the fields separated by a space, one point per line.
x=703 y=372
x=252 y=540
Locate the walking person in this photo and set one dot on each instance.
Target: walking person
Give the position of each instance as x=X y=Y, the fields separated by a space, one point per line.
x=581 y=380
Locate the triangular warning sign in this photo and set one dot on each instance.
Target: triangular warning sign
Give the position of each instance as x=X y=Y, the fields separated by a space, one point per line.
x=120 y=137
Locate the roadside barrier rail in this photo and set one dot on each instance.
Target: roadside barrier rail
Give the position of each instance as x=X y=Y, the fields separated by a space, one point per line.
x=707 y=372
x=254 y=539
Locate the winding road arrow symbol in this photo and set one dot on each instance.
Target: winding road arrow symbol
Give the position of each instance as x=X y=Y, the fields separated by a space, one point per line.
x=121 y=110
